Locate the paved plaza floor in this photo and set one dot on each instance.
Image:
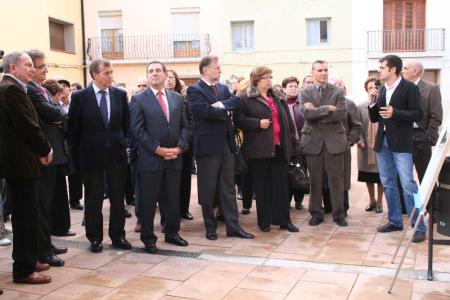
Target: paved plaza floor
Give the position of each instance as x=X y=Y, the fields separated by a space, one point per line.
x=323 y=262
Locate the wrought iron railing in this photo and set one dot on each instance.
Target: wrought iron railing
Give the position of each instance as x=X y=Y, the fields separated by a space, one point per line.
x=406 y=40
x=145 y=47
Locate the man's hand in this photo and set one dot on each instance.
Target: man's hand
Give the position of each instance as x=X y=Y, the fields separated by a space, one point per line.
x=168 y=153
x=332 y=107
x=216 y=104
x=264 y=123
x=46 y=160
x=309 y=105
x=386 y=112
x=361 y=144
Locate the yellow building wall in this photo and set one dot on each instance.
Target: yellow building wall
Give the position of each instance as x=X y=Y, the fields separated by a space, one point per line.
x=24 y=24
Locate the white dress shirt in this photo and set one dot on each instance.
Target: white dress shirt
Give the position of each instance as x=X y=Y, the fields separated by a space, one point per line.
x=391 y=89
x=98 y=95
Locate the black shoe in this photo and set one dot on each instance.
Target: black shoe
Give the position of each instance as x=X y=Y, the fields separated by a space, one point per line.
x=176 y=240
x=68 y=233
x=419 y=236
x=241 y=234
x=52 y=260
x=130 y=201
x=127 y=214
x=298 y=206
x=289 y=227
x=389 y=228
x=187 y=216
x=151 y=248
x=211 y=236
x=76 y=205
x=245 y=211
x=341 y=221
x=58 y=250
x=264 y=229
x=96 y=247
x=220 y=217
x=121 y=243
x=315 y=221
x=371 y=206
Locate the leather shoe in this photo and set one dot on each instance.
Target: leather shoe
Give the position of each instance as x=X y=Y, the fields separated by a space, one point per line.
x=315 y=221
x=389 y=228
x=245 y=211
x=96 y=247
x=121 y=243
x=289 y=227
x=76 y=205
x=211 y=236
x=241 y=234
x=68 y=233
x=34 y=278
x=341 y=221
x=187 y=216
x=41 y=267
x=176 y=240
x=127 y=214
x=53 y=261
x=419 y=236
x=264 y=229
x=151 y=248
x=58 y=250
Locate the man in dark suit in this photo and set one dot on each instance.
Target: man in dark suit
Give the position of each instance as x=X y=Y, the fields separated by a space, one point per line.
x=396 y=109
x=159 y=124
x=51 y=117
x=23 y=148
x=324 y=142
x=98 y=124
x=214 y=147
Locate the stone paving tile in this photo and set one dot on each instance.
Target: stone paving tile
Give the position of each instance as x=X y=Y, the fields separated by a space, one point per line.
x=77 y=291
x=337 y=278
x=87 y=260
x=376 y=287
x=316 y=290
x=15 y=295
x=246 y=294
x=431 y=287
x=428 y=297
x=176 y=268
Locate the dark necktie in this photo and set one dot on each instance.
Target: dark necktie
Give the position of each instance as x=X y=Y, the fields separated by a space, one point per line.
x=159 y=95
x=320 y=91
x=214 y=89
x=104 y=107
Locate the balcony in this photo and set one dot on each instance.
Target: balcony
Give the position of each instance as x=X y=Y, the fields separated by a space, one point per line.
x=406 y=40
x=146 y=47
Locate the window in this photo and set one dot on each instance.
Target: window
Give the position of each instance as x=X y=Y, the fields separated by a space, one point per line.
x=318 y=31
x=243 y=36
x=62 y=36
x=111 y=34
x=185 y=32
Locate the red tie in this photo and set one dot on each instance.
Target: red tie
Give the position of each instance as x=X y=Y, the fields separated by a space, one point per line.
x=43 y=92
x=159 y=95
x=214 y=89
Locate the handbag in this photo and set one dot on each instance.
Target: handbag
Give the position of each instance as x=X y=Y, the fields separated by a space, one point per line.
x=240 y=164
x=298 y=174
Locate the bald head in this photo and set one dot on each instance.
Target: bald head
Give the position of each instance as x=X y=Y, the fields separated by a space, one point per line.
x=142 y=83
x=412 y=70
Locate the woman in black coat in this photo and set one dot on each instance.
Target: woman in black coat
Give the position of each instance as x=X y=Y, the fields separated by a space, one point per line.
x=268 y=144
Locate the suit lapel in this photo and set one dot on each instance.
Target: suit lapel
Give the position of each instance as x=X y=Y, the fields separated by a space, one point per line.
x=154 y=104
x=397 y=92
x=113 y=99
x=208 y=91
x=92 y=99
x=171 y=104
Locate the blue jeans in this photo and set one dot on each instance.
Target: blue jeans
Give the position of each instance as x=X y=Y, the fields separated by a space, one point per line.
x=390 y=163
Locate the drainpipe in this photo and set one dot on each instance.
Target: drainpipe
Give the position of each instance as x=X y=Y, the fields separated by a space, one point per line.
x=83 y=34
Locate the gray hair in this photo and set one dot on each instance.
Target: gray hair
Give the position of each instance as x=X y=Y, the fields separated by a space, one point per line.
x=206 y=61
x=35 y=54
x=11 y=58
x=417 y=65
x=94 y=67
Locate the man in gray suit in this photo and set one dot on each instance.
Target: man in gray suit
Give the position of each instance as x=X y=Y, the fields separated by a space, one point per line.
x=159 y=124
x=324 y=142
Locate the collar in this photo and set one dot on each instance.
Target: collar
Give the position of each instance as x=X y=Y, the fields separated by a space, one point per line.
x=155 y=91
x=22 y=84
x=97 y=89
x=206 y=81
x=394 y=85
x=324 y=86
x=417 y=81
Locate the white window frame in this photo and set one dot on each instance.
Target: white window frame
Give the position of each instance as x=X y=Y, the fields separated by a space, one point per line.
x=313 y=34
x=249 y=32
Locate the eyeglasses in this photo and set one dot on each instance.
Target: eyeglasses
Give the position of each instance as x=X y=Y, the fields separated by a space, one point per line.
x=141 y=85
x=268 y=77
x=41 y=66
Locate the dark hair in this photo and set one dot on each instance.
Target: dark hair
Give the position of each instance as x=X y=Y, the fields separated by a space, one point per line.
x=304 y=78
x=156 y=62
x=318 y=61
x=77 y=86
x=178 y=86
x=368 y=80
x=64 y=82
x=206 y=61
x=35 y=54
x=94 y=67
x=288 y=80
x=393 y=61
x=52 y=86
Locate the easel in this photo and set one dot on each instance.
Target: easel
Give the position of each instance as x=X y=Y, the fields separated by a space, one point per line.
x=424 y=193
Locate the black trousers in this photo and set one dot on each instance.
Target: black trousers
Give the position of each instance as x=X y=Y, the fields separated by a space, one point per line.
x=129 y=185
x=298 y=195
x=161 y=185
x=185 y=187
x=94 y=185
x=215 y=176
x=270 y=180
x=25 y=223
x=246 y=185
x=60 y=208
x=75 y=187
x=46 y=198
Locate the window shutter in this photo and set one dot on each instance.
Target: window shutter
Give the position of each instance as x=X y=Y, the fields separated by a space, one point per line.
x=56 y=36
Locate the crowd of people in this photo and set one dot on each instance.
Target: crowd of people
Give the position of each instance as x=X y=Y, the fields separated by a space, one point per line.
x=143 y=151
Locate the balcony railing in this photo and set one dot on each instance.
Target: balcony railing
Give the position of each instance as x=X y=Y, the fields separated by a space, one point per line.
x=147 y=47
x=406 y=40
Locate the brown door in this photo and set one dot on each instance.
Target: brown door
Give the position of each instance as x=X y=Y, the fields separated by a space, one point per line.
x=403 y=25
x=112 y=43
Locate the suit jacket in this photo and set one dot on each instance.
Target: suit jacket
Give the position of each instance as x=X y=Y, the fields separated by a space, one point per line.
x=213 y=129
x=89 y=138
x=151 y=129
x=52 y=117
x=22 y=140
x=399 y=128
x=322 y=126
x=431 y=104
x=353 y=123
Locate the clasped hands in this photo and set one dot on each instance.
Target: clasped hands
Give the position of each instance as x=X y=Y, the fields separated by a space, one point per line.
x=310 y=105
x=46 y=160
x=169 y=153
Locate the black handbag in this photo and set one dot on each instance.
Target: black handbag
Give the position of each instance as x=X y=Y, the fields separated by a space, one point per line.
x=298 y=175
x=240 y=164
